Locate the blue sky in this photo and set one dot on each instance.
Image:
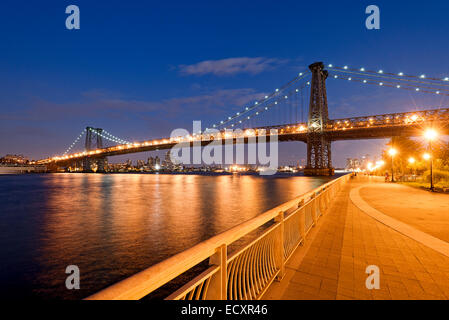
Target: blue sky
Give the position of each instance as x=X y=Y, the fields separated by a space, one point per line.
x=141 y=68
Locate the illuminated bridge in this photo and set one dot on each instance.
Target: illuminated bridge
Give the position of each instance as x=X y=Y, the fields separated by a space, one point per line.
x=317 y=131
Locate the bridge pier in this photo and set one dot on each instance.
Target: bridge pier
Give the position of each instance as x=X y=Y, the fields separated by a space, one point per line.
x=87 y=165
x=101 y=165
x=319 y=158
x=88 y=161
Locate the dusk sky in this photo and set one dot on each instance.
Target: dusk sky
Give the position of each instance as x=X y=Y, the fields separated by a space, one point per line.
x=141 y=68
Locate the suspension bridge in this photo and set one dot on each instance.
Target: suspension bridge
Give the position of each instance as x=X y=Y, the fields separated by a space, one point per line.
x=281 y=113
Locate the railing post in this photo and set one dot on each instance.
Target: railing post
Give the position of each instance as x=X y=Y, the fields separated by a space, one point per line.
x=218 y=287
x=280 y=257
x=302 y=222
x=315 y=202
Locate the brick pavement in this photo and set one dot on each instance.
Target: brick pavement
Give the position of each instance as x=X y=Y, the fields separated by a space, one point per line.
x=332 y=263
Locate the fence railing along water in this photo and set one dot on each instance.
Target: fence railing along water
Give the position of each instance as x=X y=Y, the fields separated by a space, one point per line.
x=244 y=274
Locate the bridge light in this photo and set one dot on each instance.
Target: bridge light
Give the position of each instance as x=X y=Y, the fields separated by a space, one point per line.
x=229 y=118
x=266 y=97
x=400 y=74
x=297 y=90
x=417 y=89
x=381 y=71
x=362 y=69
x=438 y=92
x=238 y=113
x=275 y=103
x=398 y=86
x=330 y=65
x=364 y=81
x=300 y=73
x=277 y=90
x=345 y=67
x=285 y=97
x=381 y=83
x=335 y=76
x=257 y=113
x=249 y=132
x=266 y=108
x=221 y=122
x=446 y=79
x=349 y=78
x=422 y=76
x=256 y=102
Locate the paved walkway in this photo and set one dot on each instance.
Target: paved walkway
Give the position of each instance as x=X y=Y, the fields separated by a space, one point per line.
x=332 y=263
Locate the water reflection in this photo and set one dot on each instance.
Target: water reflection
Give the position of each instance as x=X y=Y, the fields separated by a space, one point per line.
x=112 y=226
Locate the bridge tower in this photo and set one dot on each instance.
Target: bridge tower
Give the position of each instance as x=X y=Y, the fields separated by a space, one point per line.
x=89 y=145
x=319 y=161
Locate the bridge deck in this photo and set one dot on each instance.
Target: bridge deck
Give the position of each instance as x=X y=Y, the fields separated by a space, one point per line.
x=332 y=263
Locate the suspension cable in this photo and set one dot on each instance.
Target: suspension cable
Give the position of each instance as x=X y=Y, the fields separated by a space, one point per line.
x=388 y=75
x=395 y=85
x=74 y=142
x=278 y=92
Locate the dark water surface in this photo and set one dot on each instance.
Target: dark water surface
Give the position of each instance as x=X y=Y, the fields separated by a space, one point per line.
x=112 y=226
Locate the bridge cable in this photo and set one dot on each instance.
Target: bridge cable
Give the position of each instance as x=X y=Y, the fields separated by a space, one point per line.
x=266 y=107
x=410 y=87
x=387 y=75
x=273 y=104
x=74 y=142
x=263 y=101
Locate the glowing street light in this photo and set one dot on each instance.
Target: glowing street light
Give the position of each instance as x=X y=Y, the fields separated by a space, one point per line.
x=411 y=161
x=392 y=152
x=430 y=135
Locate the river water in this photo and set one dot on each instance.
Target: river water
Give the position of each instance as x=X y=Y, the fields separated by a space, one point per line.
x=112 y=226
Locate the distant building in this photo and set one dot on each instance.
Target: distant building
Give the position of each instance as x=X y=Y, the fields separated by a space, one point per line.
x=140 y=164
x=352 y=164
x=167 y=164
x=151 y=162
x=14 y=159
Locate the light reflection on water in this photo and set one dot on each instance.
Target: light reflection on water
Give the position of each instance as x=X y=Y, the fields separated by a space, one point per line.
x=112 y=226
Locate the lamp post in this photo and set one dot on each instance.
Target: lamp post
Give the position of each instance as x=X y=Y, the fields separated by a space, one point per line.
x=392 y=152
x=411 y=161
x=430 y=135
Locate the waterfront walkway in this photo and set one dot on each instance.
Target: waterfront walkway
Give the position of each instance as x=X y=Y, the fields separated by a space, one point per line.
x=402 y=230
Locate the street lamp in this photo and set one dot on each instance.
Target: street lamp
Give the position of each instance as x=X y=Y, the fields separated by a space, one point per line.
x=411 y=160
x=392 y=152
x=430 y=135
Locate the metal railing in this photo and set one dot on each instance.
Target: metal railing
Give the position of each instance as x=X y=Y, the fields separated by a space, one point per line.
x=246 y=273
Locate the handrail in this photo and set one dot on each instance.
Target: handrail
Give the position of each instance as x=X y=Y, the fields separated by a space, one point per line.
x=215 y=248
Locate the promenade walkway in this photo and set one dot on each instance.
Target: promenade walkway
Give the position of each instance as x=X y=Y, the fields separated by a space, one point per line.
x=402 y=230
